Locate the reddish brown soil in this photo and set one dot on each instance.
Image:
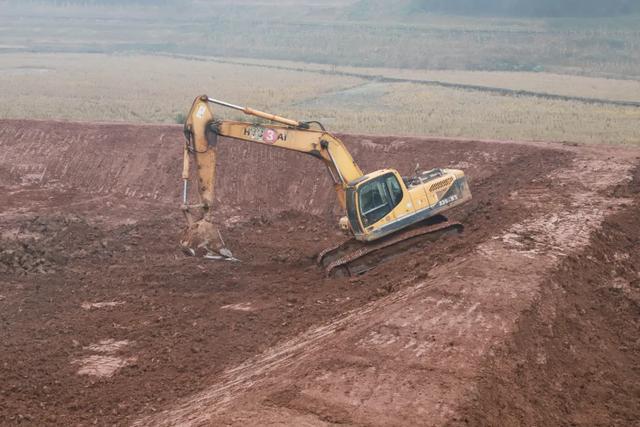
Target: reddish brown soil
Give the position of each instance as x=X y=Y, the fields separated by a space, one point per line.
x=88 y=215
x=580 y=367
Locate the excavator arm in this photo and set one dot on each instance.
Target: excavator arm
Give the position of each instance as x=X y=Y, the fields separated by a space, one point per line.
x=202 y=131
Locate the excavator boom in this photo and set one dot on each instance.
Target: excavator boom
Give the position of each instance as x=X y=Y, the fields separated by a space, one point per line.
x=202 y=131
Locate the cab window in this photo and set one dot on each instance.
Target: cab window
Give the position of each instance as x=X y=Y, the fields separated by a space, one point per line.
x=393 y=186
x=378 y=197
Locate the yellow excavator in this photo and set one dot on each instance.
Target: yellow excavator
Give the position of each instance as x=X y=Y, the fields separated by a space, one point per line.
x=385 y=213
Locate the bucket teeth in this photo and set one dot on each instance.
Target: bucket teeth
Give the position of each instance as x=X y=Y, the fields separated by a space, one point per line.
x=202 y=238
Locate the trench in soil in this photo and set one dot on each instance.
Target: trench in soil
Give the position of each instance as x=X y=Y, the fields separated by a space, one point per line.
x=104 y=320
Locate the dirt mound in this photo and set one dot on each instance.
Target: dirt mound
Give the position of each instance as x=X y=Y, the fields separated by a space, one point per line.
x=46 y=244
x=103 y=320
x=16 y=257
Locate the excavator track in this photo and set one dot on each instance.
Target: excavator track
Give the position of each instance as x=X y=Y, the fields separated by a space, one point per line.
x=352 y=258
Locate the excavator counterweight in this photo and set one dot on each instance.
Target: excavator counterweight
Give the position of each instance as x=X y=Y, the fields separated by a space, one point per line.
x=385 y=213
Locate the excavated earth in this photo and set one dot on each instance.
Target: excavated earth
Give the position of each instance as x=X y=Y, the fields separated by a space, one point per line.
x=530 y=317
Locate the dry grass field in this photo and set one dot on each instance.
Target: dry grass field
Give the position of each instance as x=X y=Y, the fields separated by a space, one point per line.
x=157 y=89
x=551 y=83
x=139 y=88
x=569 y=85
x=405 y=108
x=356 y=66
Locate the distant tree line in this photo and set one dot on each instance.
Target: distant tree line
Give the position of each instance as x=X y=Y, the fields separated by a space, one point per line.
x=533 y=8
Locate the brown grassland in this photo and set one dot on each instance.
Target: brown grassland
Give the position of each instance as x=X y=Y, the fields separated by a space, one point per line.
x=159 y=89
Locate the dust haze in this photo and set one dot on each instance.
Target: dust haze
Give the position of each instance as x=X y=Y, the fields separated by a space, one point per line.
x=585 y=37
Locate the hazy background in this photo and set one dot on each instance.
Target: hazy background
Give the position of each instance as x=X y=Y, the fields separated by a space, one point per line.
x=567 y=69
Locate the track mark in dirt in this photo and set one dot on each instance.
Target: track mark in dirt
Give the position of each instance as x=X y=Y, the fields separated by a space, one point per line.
x=99 y=305
x=573 y=357
x=108 y=346
x=101 y=366
x=253 y=372
x=104 y=363
x=241 y=306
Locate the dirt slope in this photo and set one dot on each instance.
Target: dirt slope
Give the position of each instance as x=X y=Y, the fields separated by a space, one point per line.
x=574 y=357
x=104 y=321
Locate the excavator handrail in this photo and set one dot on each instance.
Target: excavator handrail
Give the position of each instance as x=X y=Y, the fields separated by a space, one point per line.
x=261 y=114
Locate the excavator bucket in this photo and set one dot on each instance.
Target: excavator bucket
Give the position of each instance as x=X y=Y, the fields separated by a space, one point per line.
x=202 y=238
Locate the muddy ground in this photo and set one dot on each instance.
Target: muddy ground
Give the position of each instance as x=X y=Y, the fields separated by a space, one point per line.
x=530 y=317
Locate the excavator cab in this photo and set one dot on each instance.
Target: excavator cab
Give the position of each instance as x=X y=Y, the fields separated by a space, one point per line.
x=371 y=199
x=383 y=202
x=378 y=197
